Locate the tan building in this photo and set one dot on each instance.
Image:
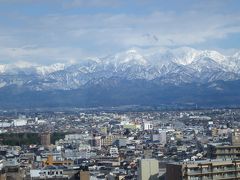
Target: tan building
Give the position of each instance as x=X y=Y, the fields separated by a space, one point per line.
x=108 y=140
x=235 y=138
x=148 y=169
x=46 y=139
x=204 y=170
x=84 y=175
x=2 y=174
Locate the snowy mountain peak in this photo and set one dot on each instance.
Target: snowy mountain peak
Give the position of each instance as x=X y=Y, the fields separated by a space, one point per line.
x=131 y=56
x=2 y=68
x=45 y=70
x=132 y=51
x=185 y=55
x=216 y=56
x=181 y=65
x=236 y=55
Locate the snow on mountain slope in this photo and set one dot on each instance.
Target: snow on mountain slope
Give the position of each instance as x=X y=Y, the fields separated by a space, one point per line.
x=174 y=66
x=185 y=55
x=2 y=68
x=233 y=63
x=205 y=64
x=45 y=70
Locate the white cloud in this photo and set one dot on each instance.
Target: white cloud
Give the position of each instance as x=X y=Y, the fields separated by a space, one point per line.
x=62 y=37
x=91 y=3
x=126 y=30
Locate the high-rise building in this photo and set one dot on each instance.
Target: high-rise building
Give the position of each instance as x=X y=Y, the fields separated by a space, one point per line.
x=219 y=151
x=147 y=126
x=235 y=137
x=46 y=139
x=148 y=169
x=214 y=169
x=95 y=142
x=163 y=137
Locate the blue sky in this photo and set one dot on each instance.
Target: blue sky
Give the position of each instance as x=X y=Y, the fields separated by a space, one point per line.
x=50 y=31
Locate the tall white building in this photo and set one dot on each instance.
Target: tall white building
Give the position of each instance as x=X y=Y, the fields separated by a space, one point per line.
x=147 y=126
x=148 y=169
x=163 y=137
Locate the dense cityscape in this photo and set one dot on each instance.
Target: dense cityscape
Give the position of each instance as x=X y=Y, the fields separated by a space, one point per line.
x=191 y=144
x=119 y=90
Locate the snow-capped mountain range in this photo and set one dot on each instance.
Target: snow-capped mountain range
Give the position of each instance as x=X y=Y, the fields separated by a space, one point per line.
x=164 y=66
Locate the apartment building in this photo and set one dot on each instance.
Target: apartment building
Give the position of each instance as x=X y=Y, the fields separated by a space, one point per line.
x=219 y=151
x=203 y=170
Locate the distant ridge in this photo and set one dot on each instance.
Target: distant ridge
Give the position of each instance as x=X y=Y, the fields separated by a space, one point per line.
x=134 y=77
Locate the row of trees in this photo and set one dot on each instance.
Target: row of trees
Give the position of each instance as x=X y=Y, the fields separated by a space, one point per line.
x=18 y=139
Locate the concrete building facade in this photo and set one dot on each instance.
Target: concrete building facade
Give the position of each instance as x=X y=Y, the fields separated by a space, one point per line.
x=148 y=169
x=203 y=170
